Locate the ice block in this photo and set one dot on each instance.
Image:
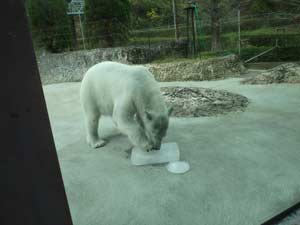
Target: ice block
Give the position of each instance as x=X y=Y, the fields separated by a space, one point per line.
x=169 y=152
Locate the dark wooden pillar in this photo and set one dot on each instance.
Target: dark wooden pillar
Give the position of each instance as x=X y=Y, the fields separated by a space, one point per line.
x=74 y=34
x=193 y=30
x=187 y=32
x=190 y=15
x=32 y=190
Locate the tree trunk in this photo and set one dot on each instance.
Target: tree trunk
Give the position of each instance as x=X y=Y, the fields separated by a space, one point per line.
x=74 y=35
x=108 y=34
x=175 y=19
x=215 y=26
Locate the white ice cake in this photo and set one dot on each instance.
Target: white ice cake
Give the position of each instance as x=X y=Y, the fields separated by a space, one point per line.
x=169 y=152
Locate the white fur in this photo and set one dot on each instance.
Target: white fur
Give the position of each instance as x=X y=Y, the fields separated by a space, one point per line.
x=126 y=93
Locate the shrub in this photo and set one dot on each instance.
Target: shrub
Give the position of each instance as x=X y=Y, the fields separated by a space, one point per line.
x=50 y=24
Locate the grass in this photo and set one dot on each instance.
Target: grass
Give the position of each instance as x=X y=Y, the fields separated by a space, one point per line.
x=253 y=42
x=266 y=31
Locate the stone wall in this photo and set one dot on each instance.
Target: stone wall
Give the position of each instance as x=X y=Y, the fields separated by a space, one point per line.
x=71 y=66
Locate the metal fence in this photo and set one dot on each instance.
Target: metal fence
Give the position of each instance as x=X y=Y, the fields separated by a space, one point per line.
x=248 y=35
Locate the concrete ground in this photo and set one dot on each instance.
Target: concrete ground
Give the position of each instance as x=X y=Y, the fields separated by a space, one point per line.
x=245 y=167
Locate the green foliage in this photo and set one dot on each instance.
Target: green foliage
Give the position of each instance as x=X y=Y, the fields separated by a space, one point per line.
x=107 y=22
x=287 y=54
x=258 y=6
x=150 y=13
x=50 y=24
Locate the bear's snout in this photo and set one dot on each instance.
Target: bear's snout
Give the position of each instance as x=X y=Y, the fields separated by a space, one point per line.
x=157 y=146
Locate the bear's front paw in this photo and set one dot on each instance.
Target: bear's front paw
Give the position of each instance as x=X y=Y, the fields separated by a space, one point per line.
x=96 y=143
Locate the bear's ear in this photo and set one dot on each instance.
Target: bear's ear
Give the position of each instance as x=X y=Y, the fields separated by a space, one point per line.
x=148 y=115
x=170 y=110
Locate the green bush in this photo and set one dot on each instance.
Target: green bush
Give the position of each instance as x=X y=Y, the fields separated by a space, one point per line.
x=276 y=55
x=250 y=51
x=288 y=54
x=49 y=23
x=284 y=40
x=107 y=22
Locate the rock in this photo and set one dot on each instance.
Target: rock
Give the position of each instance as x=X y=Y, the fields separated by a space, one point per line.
x=285 y=73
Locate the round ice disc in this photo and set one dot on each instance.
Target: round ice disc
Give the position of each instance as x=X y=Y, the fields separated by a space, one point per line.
x=178 y=167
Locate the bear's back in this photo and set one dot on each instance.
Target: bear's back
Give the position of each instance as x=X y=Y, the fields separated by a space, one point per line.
x=107 y=81
x=113 y=74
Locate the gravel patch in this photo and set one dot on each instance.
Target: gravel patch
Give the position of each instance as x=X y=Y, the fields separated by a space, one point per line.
x=198 y=102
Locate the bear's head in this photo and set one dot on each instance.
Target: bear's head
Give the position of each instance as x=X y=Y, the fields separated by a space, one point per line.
x=155 y=127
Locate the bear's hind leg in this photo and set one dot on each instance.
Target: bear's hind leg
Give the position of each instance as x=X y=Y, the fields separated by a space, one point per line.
x=91 y=122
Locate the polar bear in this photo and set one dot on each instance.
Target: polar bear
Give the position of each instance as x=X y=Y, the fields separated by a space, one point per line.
x=131 y=96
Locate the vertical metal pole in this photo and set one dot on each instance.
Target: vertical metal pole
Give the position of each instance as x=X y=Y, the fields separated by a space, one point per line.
x=175 y=19
x=82 y=33
x=239 y=30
